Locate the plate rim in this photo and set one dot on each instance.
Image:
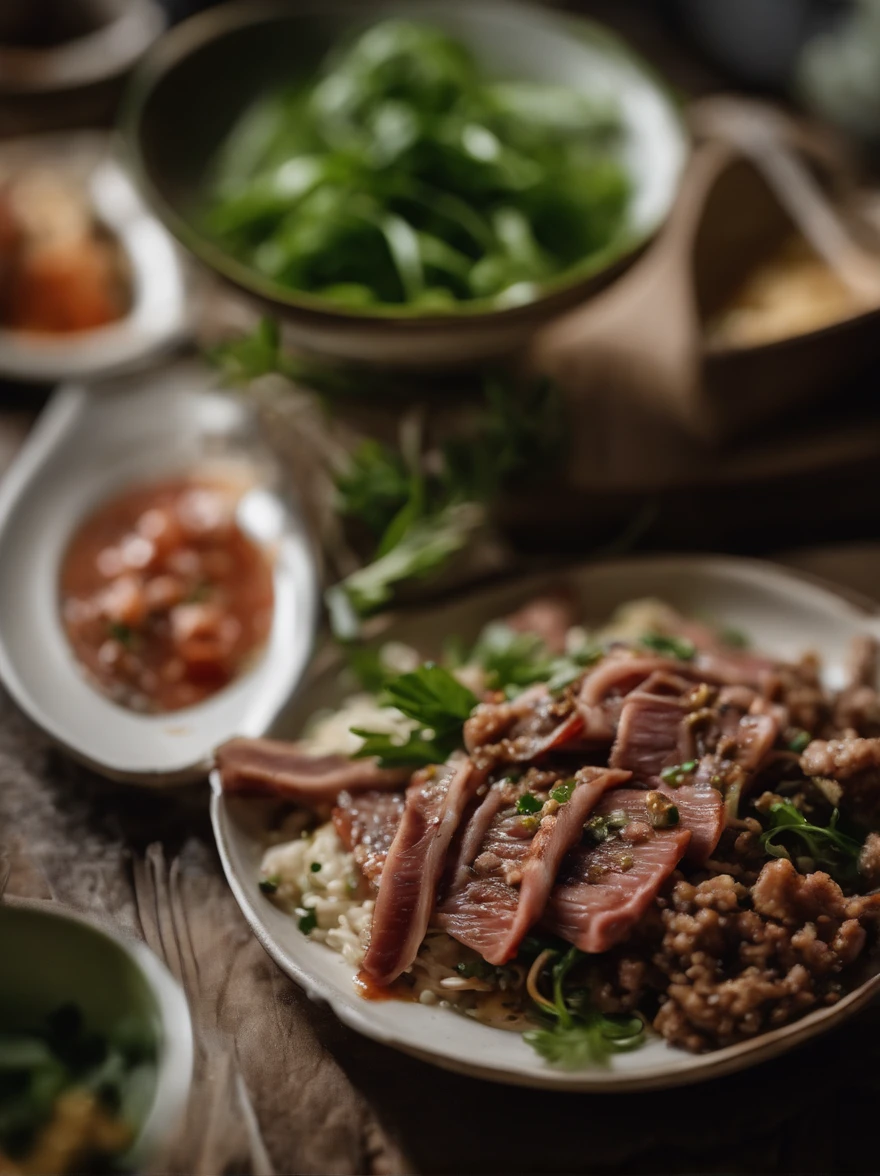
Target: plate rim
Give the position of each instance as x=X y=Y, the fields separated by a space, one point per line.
x=703 y=1067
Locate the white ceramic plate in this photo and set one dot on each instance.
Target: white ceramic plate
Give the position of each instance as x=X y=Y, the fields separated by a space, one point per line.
x=159 y=315
x=782 y=612
x=88 y=445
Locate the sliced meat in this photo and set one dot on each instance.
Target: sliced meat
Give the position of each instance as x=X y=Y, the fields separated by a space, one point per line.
x=269 y=767
x=840 y=758
x=701 y=810
x=435 y=801
x=604 y=889
x=755 y=737
x=549 y=617
x=735 y=669
x=649 y=736
x=492 y=720
x=621 y=673
x=605 y=687
x=525 y=729
x=366 y=824
x=503 y=892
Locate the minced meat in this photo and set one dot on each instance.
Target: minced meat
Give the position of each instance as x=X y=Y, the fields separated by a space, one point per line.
x=740 y=961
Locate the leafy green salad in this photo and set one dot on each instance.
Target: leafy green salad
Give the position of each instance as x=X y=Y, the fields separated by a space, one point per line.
x=402 y=175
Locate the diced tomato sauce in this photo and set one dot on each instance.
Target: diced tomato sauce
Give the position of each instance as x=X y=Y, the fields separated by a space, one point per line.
x=163 y=597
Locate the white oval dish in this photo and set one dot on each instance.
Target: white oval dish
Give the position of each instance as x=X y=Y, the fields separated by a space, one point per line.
x=87 y=446
x=55 y=956
x=782 y=612
x=158 y=317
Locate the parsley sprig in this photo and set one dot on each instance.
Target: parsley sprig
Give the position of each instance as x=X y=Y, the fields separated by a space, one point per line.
x=437 y=702
x=577 y=1033
x=829 y=848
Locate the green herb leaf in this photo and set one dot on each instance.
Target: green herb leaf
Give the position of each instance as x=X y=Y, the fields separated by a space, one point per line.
x=432 y=697
x=579 y=1035
x=374 y=486
x=415 y=751
x=270 y=884
x=564 y=791
x=426 y=547
x=365 y=662
x=668 y=646
x=830 y=849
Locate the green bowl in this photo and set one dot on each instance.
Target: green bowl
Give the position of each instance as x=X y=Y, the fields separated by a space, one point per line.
x=51 y=958
x=190 y=90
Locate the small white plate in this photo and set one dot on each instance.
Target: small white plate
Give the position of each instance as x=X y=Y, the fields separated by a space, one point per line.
x=782 y=612
x=87 y=446
x=159 y=316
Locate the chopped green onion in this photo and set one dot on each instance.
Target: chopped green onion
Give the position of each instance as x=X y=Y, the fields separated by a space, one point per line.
x=676 y=773
x=315 y=867
x=308 y=921
x=563 y=792
x=528 y=803
x=617 y=819
x=799 y=741
x=270 y=884
x=597 y=828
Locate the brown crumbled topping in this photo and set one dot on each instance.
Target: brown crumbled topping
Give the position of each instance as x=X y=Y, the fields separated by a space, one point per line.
x=740 y=961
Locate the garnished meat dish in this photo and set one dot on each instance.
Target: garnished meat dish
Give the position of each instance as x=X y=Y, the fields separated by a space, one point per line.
x=587 y=837
x=163 y=597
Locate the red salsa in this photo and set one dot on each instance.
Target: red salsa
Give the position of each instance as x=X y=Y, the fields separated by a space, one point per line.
x=163 y=597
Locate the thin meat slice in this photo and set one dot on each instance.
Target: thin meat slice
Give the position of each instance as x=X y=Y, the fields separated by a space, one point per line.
x=701 y=810
x=604 y=690
x=522 y=730
x=604 y=889
x=622 y=673
x=755 y=737
x=435 y=801
x=502 y=893
x=270 y=767
x=366 y=824
x=648 y=736
x=491 y=721
x=731 y=668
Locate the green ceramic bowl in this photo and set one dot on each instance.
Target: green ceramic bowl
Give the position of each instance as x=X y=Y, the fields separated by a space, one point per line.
x=190 y=90
x=50 y=958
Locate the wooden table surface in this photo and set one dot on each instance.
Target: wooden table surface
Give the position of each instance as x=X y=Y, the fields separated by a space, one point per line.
x=315 y=1097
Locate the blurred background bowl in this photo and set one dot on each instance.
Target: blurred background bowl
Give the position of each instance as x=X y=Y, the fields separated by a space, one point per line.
x=188 y=92
x=52 y=958
x=62 y=61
